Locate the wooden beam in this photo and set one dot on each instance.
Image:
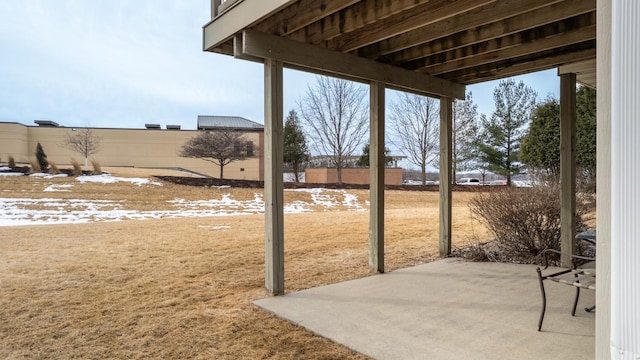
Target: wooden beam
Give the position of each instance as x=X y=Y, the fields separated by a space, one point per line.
x=603 y=181
x=273 y=182
x=412 y=18
x=301 y=14
x=531 y=63
x=241 y=16
x=377 y=170
x=314 y=58
x=446 y=124
x=585 y=72
x=353 y=18
x=489 y=13
x=512 y=46
x=536 y=17
x=568 y=111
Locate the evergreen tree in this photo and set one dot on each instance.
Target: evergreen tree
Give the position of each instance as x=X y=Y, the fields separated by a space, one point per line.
x=296 y=153
x=364 y=158
x=586 y=137
x=499 y=144
x=465 y=129
x=41 y=157
x=541 y=145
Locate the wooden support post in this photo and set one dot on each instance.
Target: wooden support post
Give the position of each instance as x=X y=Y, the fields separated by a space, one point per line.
x=567 y=166
x=603 y=180
x=446 y=121
x=273 y=182
x=376 y=188
x=215 y=4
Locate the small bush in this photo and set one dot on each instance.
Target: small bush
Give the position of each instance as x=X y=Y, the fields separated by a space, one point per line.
x=12 y=162
x=53 y=168
x=35 y=166
x=97 y=170
x=77 y=169
x=524 y=221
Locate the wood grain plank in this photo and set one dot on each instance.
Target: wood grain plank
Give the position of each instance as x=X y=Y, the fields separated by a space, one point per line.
x=354 y=18
x=504 y=48
x=489 y=13
x=312 y=57
x=301 y=14
x=527 y=64
x=405 y=21
x=552 y=13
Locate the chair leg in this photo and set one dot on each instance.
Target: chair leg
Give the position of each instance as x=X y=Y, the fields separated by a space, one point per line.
x=575 y=302
x=544 y=298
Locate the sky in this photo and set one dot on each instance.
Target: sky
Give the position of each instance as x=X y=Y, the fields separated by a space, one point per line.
x=124 y=64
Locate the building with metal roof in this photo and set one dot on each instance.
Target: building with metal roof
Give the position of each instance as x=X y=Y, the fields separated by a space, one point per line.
x=206 y=122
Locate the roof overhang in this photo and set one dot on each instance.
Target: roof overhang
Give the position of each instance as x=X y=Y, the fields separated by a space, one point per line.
x=438 y=41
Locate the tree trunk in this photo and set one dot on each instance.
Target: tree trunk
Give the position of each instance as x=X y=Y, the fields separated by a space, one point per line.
x=295 y=172
x=339 y=171
x=221 y=171
x=423 y=169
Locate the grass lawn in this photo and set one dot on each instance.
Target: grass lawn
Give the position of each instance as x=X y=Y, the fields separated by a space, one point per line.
x=182 y=287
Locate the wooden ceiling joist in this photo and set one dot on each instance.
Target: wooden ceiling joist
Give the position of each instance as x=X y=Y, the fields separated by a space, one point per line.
x=256 y=45
x=512 y=46
x=475 y=16
x=524 y=65
x=476 y=35
x=353 y=18
x=302 y=14
x=429 y=12
x=463 y=41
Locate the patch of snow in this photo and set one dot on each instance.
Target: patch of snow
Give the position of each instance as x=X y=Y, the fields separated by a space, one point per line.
x=5 y=168
x=26 y=211
x=47 y=176
x=291 y=177
x=351 y=201
x=219 y=227
x=58 y=188
x=328 y=198
x=11 y=174
x=297 y=207
x=108 y=179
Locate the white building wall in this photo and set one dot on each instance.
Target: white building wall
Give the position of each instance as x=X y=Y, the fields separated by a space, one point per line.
x=625 y=170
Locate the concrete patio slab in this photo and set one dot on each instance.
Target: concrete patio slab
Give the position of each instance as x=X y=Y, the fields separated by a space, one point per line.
x=447 y=309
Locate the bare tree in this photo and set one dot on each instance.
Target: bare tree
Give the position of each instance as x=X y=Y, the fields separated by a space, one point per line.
x=465 y=128
x=335 y=112
x=221 y=147
x=84 y=142
x=415 y=120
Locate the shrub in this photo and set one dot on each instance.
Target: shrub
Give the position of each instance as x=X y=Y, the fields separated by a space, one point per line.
x=524 y=221
x=35 y=166
x=12 y=162
x=77 y=169
x=53 y=168
x=42 y=158
x=97 y=170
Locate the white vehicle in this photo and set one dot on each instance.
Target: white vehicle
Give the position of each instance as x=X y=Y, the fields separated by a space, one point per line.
x=468 y=181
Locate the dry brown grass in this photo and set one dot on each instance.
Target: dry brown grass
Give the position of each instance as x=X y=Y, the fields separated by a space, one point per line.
x=182 y=288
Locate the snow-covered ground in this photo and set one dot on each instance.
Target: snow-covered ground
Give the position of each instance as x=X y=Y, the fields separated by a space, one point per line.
x=52 y=210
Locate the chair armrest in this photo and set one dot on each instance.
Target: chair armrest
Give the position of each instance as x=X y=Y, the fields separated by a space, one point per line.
x=545 y=255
